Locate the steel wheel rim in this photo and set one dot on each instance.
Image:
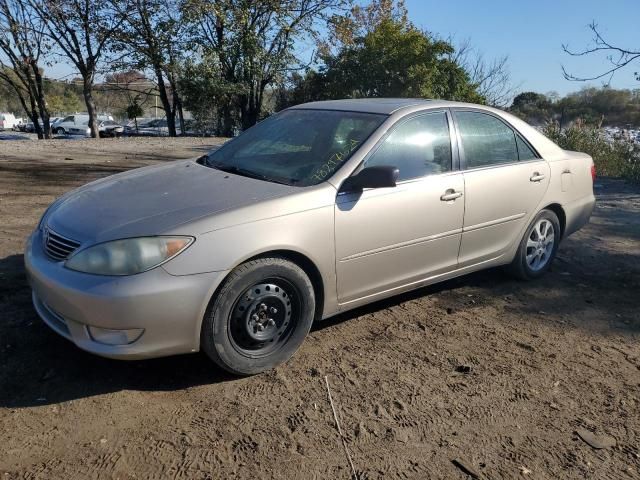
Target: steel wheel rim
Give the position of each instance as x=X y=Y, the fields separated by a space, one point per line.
x=540 y=243
x=263 y=318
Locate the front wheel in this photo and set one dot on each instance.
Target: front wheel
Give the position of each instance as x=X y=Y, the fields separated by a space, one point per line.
x=260 y=316
x=538 y=247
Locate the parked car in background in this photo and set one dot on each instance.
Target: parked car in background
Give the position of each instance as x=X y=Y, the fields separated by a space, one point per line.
x=79 y=129
x=132 y=126
x=18 y=126
x=154 y=128
x=109 y=128
x=106 y=128
x=7 y=121
x=53 y=121
x=157 y=127
x=75 y=122
x=318 y=209
x=30 y=128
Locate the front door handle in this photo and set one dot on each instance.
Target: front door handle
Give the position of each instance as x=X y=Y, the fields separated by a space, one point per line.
x=537 y=177
x=450 y=195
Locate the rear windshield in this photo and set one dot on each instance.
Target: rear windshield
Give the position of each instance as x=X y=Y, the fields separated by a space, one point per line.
x=297 y=147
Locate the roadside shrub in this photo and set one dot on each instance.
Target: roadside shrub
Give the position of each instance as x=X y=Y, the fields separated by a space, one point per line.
x=613 y=158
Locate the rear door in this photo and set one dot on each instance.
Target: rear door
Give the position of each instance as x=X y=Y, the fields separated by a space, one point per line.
x=387 y=238
x=505 y=180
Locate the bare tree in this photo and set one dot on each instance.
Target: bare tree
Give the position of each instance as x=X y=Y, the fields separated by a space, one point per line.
x=492 y=77
x=617 y=57
x=151 y=35
x=22 y=40
x=81 y=29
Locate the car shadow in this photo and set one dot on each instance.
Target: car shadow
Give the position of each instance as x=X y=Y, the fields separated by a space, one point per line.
x=39 y=367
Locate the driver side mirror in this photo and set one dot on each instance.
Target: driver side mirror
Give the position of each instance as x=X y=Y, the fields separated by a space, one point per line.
x=381 y=176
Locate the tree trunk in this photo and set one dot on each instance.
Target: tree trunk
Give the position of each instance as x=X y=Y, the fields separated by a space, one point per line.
x=177 y=108
x=251 y=106
x=226 y=127
x=166 y=106
x=34 y=118
x=87 y=92
x=181 y=116
x=42 y=102
x=177 y=101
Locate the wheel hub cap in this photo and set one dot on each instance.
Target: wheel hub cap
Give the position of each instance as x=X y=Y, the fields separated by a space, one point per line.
x=540 y=244
x=265 y=310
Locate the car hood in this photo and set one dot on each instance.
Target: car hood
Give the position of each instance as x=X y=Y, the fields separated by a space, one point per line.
x=153 y=200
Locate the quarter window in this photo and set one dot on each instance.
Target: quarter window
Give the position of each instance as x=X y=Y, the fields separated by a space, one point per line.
x=524 y=150
x=418 y=147
x=486 y=140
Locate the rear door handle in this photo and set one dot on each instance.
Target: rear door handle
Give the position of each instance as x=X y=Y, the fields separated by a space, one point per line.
x=450 y=195
x=537 y=177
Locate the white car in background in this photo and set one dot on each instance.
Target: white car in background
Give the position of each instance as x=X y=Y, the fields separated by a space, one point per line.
x=7 y=121
x=81 y=129
x=106 y=128
x=72 y=124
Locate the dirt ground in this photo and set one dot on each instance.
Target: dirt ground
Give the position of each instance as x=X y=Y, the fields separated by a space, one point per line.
x=493 y=373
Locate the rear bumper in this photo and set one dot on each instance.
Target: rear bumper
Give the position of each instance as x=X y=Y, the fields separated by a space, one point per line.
x=169 y=309
x=578 y=213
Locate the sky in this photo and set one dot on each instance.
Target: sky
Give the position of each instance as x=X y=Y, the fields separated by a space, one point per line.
x=531 y=34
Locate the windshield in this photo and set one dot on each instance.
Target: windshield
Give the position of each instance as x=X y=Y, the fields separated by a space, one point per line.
x=297 y=147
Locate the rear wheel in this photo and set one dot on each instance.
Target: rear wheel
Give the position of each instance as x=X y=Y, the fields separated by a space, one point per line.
x=538 y=247
x=260 y=316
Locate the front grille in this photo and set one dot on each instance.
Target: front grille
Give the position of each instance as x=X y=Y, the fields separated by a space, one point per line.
x=57 y=246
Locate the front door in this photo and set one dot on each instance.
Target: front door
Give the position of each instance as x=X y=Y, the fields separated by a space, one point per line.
x=388 y=238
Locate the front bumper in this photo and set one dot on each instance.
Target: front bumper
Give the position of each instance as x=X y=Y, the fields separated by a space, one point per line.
x=168 y=308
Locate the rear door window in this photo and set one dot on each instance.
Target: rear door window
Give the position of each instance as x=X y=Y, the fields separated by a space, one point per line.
x=486 y=140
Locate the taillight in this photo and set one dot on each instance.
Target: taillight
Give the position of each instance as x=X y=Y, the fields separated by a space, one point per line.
x=593 y=173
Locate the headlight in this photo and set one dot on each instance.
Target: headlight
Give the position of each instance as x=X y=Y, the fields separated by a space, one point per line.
x=128 y=256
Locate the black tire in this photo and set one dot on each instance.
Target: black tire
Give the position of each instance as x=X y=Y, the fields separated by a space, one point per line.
x=259 y=317
x=521 y=267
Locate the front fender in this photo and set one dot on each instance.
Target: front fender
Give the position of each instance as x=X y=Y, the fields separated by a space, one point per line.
x=309 y=233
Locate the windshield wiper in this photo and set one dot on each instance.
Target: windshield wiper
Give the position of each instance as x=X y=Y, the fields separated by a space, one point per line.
x=247 y=173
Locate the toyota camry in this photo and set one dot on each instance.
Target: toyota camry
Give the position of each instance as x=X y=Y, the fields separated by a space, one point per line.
x=318 y=209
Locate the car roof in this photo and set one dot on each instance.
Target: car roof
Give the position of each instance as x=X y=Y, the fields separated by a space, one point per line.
x=389 y=106
x=385 y=106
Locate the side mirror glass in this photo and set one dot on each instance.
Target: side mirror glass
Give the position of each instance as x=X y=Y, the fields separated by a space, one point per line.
x=381 y=176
